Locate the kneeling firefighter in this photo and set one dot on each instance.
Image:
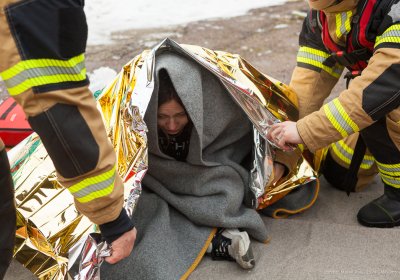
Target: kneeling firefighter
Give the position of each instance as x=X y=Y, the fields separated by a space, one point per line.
x=364 y=37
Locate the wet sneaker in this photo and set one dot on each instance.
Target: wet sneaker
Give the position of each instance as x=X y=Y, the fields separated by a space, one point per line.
x=232 y=245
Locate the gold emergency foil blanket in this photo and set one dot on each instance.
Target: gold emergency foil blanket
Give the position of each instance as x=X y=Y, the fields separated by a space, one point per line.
x=47 y=221
x=53 y=238
x=124 y=124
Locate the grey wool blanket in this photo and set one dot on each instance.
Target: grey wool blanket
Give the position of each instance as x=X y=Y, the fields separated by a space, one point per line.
x=183 y=202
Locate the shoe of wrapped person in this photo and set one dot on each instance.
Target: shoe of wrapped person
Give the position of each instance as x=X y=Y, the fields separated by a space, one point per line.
x=232 y=245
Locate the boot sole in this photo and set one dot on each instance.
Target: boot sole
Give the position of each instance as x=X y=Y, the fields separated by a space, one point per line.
x=379 y=225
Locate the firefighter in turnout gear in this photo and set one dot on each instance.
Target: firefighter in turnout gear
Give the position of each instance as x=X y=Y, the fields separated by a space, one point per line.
x=42 y=65
x=361 y=128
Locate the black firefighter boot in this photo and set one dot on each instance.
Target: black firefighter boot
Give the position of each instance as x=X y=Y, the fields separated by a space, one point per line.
x=7 y=214
x=383 y=212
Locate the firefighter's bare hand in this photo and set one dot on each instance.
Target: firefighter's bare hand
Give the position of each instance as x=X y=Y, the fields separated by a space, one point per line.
x=122 y=247
x=284 y=135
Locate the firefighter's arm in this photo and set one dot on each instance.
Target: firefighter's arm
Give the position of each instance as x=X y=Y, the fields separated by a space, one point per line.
x=369 y=97
x=315 y=74
x=106 y=210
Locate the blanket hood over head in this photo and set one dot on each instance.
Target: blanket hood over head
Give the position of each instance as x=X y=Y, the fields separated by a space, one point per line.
x=183 y=202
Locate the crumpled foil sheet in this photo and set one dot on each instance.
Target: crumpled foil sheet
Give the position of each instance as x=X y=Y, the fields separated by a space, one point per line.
x=55 y=241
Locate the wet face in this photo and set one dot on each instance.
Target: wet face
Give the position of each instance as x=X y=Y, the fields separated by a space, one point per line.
x=171 y=118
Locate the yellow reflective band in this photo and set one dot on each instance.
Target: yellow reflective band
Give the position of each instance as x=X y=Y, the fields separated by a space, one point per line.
x=36 y=72
x=322 y=54
x=345 y=153
x=335 y=71
x=345 y=116
x=96 y=194
x=391 y=181
x=94 y=187
x=389 y=169
x=316 y=58
x=343 y=24
x=37 y=63
x=339 y=118
x=391 y=35
x=333 y=121
x=340 y=155
x=45 y=80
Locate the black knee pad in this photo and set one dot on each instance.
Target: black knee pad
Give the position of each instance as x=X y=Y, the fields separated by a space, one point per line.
x=334 y=173
x=68 y=139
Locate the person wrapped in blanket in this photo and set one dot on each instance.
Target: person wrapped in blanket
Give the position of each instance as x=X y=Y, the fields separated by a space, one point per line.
x=174 y=130
x=362 y=125
x=200 y=145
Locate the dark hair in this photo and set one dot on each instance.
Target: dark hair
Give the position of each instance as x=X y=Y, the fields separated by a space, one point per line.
x=166 y=90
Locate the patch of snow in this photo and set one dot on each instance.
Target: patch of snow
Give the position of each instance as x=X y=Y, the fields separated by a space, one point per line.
x=105 y=17
x=100 y=78
x=281 y=26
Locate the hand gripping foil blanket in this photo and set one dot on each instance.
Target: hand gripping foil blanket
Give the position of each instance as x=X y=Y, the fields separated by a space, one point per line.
x=55 y=241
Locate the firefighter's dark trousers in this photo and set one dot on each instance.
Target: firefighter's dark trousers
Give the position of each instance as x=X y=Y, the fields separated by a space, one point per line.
x=42 y=45
x=7 y=212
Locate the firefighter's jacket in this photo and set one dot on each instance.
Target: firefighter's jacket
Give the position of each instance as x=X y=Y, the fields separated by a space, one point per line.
x=370 y=26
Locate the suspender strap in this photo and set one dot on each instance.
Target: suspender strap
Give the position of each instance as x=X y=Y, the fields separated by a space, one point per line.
x=349 y=59
x=350 y=181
